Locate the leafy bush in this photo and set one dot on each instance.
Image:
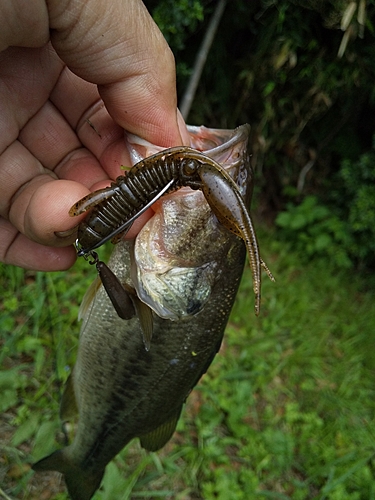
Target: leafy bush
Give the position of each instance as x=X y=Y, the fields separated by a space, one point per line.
x=359 y=204
x=314 y=231
x=176 y=19
x=342 y=227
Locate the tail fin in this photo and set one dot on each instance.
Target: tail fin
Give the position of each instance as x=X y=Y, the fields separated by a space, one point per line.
x=81 y=484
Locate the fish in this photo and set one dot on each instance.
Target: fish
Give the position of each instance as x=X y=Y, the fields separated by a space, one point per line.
x=186 y=266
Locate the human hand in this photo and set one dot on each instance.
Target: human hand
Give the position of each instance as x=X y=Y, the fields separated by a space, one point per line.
x=73 y=75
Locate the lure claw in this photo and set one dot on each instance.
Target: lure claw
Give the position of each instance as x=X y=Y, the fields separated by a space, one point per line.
x=225 y=200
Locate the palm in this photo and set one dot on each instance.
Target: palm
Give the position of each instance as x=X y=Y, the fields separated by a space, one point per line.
x=54 y=127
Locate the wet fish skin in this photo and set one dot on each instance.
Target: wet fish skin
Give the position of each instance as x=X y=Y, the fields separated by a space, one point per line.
x=127 y=392
x=123 y=391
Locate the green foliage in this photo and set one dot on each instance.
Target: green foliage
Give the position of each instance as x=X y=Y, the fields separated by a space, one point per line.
x=286 y=411
x=10 y=383
x=341 y=228
x=358 y=205
x=38 y=324
x=314 y=231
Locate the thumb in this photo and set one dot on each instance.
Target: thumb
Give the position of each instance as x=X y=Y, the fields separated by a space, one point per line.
x=118 y=46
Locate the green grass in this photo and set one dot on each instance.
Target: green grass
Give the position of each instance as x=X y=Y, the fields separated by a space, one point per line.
x=286 y=411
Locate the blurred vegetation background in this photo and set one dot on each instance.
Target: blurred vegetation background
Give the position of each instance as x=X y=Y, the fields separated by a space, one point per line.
x=302 y=73
x=287 y=410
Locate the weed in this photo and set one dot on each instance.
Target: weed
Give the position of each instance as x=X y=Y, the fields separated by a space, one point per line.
x=286 y=411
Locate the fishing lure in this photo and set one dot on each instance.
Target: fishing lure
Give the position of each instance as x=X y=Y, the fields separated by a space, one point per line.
x=115 y=208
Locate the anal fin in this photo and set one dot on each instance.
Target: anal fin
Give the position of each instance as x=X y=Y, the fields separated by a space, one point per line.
x=157 y=438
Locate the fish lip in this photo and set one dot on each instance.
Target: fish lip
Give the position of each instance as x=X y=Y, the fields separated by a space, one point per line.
x=226 y=140
x=230 y=146
x=238 y=136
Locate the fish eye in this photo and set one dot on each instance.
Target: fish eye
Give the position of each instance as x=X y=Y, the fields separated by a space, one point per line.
x=189 y=167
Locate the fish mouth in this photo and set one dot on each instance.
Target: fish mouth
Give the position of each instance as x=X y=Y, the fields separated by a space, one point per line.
x=229 y=147
x=222 y=145
x=178 y=253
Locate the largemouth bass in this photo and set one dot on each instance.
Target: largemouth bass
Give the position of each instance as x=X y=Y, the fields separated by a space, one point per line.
x=121 y=390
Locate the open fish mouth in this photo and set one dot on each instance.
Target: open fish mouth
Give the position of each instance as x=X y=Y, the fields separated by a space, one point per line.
x=178 y=253
x=174 y=272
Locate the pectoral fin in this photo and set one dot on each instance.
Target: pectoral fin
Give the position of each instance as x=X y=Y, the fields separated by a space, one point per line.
x=88 y=299
x=124 y=299
x=157 y=438
x=144 y=314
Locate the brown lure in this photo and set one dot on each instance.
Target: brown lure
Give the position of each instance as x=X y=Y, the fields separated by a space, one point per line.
x=115 y=208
